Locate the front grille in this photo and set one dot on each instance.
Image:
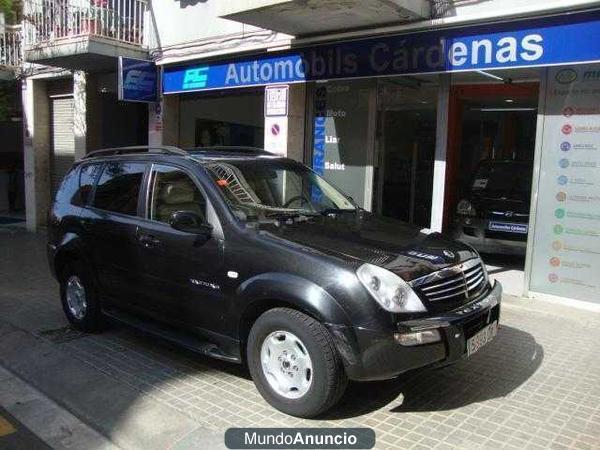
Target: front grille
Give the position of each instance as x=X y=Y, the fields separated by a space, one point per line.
x=454 y=284
x=506 y=236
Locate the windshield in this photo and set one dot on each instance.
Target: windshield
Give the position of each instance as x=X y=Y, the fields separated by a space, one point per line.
x=263 y=188
x=503 y=177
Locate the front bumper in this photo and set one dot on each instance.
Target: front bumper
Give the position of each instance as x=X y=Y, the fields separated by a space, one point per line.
x=375 y=354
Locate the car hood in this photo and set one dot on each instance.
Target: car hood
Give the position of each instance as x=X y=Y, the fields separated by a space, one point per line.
x=362 y=237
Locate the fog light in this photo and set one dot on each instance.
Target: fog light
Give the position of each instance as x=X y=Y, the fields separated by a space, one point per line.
x=417 y=338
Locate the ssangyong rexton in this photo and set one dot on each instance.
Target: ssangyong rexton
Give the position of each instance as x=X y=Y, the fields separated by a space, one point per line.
x=249 y=257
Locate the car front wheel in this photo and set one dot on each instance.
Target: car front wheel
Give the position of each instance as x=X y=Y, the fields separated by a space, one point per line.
x=294 y=363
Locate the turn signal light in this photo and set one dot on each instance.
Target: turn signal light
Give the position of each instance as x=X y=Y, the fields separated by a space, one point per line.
x=417 y=338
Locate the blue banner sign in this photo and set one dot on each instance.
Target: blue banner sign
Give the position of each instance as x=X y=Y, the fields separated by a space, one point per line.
x=138 y=80
x=562 y=39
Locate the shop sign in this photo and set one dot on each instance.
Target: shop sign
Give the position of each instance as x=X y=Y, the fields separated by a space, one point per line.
x=276 y=121
x=524 y=43
x=276 y=101
x=566 y=249
x=138 y=80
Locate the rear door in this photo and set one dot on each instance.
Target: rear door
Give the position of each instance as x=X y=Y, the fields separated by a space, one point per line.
x=181 y=271
x=110 y=222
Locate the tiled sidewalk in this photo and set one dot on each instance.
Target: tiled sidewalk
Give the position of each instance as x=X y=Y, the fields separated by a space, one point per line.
x=536 y=386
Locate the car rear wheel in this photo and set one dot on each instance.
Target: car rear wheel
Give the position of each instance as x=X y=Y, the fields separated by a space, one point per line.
x=79 y=298
x=294 y=363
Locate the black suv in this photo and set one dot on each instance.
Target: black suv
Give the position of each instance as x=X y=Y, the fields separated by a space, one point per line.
x=246 y=256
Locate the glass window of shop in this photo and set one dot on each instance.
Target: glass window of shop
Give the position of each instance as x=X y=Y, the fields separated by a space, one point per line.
x=343 y=135
x=375 y=140
x=226 y=117
x=406 y=112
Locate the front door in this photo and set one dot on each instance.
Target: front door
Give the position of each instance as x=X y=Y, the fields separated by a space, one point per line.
x=181 y=270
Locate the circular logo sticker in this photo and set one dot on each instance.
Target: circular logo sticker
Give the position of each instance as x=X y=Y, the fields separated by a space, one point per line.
x=554 y=262
x=566 y=76
x=568 y=111
x=563 y=163
x=567 y=129
x=558 y=229
x=562 y=180
x=553 y=278
x=565 y=146
x=557 y=245
x=559 y=213
x=561 y=196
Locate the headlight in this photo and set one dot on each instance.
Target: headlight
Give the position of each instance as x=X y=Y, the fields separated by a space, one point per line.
x=390 y=291
x=465 y=208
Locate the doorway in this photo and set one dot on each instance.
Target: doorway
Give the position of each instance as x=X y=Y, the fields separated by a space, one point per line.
x=406 y=148
x=492 y=129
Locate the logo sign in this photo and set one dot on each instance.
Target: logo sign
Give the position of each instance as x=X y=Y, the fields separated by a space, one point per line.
x=566 y=76
x=449 y=254
x=537 y=42
x=138 y=80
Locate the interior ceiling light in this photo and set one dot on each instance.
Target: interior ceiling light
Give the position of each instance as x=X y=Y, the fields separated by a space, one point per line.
x=503 y=109
x=489 y=75
x=509 y=100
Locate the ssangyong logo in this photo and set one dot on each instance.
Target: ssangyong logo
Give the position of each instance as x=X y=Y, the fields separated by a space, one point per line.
x=195 y=78
x=566 y=76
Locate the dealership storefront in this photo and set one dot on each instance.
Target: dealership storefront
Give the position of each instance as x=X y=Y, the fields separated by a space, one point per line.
x=403 y=124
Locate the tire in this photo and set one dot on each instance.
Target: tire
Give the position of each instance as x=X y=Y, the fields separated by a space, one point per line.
x=89 y=317
x=316 y=389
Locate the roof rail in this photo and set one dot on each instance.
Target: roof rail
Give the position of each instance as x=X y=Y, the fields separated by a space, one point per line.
x=137 y=149
x=229 y=148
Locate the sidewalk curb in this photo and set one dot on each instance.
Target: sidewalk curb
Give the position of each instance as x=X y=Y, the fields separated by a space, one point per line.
x=120 y=413
x=58 y=428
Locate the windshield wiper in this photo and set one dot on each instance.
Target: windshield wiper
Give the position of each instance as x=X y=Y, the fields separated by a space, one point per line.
x=289 y=214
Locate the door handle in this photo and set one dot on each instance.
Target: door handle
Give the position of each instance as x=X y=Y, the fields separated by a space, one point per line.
x=148 y=241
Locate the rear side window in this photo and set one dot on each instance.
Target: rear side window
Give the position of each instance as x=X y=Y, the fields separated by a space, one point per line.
x=87 y=176
x=118 y=188
x=67 y=191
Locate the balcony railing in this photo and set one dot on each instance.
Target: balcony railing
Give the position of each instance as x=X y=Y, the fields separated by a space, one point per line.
x=10 y=47
x=47 y=21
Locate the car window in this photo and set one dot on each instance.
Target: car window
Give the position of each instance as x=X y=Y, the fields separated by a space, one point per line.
x=119 y=187
x=87 y=176
x=173 y=190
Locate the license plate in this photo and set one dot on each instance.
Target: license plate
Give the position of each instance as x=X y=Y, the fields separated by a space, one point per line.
x=509 y=227
x=482 y=337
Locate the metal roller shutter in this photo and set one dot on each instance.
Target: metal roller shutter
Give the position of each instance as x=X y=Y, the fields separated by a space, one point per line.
x=63 y=140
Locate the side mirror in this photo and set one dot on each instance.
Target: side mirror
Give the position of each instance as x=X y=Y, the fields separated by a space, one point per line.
x=190 y=222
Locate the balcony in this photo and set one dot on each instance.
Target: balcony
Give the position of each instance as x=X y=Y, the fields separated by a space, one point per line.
x=310 y=17
x=10 y=51
x=84 y=34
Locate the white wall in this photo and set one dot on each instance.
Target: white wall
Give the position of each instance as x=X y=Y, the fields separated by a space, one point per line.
x=188 y=28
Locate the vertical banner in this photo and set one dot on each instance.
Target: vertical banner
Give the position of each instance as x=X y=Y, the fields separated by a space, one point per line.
x=276 y=120
x=340 y=135
x=566 y=252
